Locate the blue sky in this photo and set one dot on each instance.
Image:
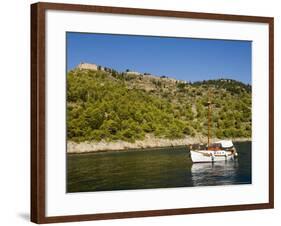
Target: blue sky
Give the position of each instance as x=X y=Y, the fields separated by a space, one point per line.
x=181 y=58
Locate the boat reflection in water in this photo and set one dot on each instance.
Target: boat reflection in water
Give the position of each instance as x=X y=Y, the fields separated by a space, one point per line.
x=216 y=173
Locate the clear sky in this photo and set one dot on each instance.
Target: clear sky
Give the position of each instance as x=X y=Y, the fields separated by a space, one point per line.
x=181 y=58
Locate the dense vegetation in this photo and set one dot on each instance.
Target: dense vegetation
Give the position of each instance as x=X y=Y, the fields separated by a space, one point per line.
x=107 y=105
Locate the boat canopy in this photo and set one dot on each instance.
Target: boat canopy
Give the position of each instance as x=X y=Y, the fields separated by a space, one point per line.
x=225 y=143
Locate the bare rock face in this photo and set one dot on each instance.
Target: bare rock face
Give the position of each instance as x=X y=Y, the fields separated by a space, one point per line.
x=88 y=66
x=150 y=141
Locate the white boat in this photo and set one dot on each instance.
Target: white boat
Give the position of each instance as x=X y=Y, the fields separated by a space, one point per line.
x=220 y=151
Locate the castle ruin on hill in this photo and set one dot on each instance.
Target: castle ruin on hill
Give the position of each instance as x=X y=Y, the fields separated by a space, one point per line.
x=87 y=66
x=95 y=67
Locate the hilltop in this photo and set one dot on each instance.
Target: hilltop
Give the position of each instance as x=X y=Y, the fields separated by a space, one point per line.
x=104 y=105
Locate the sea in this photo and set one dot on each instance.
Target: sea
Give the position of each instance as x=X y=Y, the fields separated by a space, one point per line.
x=154 y=168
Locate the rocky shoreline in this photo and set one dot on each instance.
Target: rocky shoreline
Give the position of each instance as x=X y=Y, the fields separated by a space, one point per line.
x=148 y=142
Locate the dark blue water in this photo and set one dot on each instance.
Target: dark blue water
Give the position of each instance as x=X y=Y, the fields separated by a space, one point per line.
x=162 y=168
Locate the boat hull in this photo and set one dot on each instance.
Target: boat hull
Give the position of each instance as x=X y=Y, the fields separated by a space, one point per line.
x=210 y=156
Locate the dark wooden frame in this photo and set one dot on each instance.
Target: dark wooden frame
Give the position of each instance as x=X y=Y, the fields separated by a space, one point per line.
x=38 y=23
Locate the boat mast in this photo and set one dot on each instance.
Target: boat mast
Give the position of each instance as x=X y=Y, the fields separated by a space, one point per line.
x=209 y=119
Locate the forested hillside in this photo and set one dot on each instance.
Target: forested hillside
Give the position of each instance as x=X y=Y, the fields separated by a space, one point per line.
x=107 y=105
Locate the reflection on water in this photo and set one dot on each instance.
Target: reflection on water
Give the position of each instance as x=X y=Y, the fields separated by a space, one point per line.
x=214 y=173
x=164 y=168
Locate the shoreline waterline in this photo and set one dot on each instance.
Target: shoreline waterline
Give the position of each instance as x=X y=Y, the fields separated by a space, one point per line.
x=140 y=145
x=130 y=150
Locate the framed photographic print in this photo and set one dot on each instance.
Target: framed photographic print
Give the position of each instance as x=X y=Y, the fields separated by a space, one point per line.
x=141 y=112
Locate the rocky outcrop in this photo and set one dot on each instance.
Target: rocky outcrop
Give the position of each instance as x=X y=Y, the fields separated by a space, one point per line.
x=148 y=142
